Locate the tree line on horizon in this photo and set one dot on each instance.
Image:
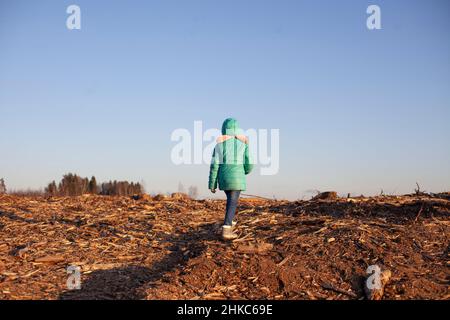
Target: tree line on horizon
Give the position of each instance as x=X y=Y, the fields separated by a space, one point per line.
x=74 y=185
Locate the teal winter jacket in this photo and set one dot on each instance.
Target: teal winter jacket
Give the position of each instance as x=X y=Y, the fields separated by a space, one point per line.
x=231 y=159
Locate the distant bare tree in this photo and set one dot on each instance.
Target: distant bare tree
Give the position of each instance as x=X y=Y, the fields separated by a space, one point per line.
x=73 y=185
x=121 y=188
x=193 y=192
x=93 y=188
x=2 y=186
x=181 y=187
x=52 y=189
x=418 y=191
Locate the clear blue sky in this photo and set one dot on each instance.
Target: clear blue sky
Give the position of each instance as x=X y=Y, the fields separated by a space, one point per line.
x=358 y=110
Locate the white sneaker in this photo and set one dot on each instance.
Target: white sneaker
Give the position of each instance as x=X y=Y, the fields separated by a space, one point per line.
x=227 y=233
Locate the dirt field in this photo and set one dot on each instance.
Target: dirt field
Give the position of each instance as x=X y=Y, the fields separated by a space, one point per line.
x=170 y=249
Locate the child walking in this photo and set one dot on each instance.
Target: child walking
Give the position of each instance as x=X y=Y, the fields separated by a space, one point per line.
x=229 y=165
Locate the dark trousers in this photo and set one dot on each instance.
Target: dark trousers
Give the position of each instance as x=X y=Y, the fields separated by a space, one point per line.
x=232 y=202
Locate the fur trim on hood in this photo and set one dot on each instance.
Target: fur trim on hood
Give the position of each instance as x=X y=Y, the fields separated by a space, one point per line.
x=225 y=137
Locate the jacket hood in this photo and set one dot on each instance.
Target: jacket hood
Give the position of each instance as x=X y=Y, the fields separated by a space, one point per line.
x=231 y=127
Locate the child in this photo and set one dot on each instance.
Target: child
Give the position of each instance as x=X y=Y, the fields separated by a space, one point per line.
x=230 y=163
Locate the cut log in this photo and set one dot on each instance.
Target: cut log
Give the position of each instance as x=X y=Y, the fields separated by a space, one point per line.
x=160 y=197
x=50 y=259
x=328 y=195
x=142 y=196
x=179 y=196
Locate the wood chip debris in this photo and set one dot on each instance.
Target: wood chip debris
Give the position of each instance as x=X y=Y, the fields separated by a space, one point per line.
x=170 y=247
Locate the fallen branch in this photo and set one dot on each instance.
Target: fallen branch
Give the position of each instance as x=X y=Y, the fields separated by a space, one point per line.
x=418 y=214
x=329 y=286
x=285 y=260
x=254 y=196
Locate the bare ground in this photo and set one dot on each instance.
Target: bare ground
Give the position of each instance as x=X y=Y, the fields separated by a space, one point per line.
x=170 y=249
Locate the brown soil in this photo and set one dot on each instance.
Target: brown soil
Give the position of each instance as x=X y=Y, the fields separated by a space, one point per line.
x=170 y=248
